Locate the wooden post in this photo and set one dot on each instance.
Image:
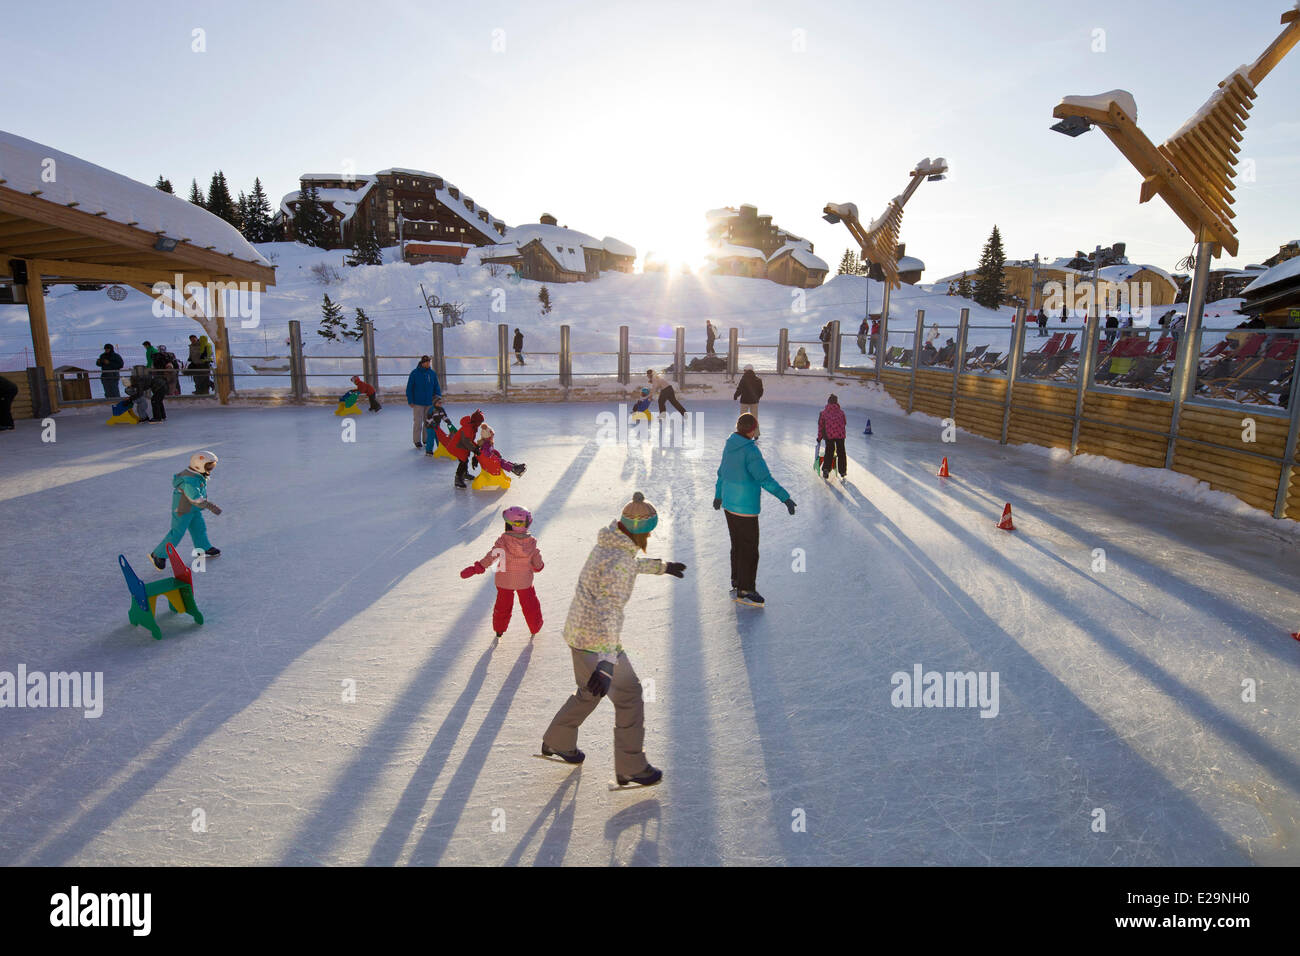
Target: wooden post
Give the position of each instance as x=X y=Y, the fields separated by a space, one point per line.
x=35 y=294
x=916 y=358
x=214 y=303
x=1013 y=367
x=1288 y=456
x=959 y=360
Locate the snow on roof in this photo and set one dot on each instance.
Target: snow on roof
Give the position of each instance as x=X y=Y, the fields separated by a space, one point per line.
x=1121 y=98
x=1122 y=273
x=96 y=190
x=456 y=205
x=617 y=248
x=343 y=200
x=1279 y=273
x=802 y=255
x=845 y=210
x=726 y=212
x=563 y=245
x=911 y=264
x=726 y=250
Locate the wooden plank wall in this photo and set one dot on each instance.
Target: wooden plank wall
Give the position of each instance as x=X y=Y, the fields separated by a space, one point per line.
x=933 y=393
x=1121 y=427
x=1127 y=428
x=1229 y=468
x=1030 y=425
x=980 y=402
x=22 y=407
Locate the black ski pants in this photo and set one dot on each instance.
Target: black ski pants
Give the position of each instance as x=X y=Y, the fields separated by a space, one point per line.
x=744 y=550
x=834 y=455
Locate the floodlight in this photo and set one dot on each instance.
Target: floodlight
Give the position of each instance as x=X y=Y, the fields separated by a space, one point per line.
x=1072 y=126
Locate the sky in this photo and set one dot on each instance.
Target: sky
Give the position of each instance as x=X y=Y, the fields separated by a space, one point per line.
x=634 y=119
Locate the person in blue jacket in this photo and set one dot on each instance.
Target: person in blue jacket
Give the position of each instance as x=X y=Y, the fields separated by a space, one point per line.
x=742 y=476
x=421 y=389
x=189 y=500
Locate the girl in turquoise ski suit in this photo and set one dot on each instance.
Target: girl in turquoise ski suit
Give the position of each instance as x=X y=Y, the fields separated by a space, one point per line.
x=189 y=501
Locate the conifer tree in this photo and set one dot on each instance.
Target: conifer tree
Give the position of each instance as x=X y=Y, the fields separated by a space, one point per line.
x=219 y=202
x=257 y=222
x=165 y=185
x=331 y=320
x=963 y=286
x=196 y=194
x=544 y=297
x=309 y=220
x=358 y=332
x=990 y=278
x=848 y=264
x=366 y=251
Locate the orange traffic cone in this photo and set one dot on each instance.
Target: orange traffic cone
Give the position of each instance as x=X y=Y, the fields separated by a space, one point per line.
x=1005 y=524
x=943 y=469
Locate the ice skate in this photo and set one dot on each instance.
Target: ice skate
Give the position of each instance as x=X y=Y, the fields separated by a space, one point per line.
x=568 y=756
x=646 y=778
x=750 y=598
x=213 y=552
x=158 y=562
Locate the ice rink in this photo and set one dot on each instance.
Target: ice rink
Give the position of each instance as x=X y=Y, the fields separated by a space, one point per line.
x=1118 y=734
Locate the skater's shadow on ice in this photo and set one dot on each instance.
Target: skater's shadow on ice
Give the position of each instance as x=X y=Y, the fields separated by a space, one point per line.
x=1183 y=818
x=354 y=784
x=555 y=844
x=640 y=816
x=388 y=847
x=977 y=503
x=442 y=825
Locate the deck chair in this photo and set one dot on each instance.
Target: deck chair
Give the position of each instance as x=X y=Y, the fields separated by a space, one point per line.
x=1264 y=378
x=974 y=355
x=1068 y=345
x=1051 y=346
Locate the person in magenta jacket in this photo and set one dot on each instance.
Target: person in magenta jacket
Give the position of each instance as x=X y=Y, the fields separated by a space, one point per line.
x=830 y=428
x=515 y=558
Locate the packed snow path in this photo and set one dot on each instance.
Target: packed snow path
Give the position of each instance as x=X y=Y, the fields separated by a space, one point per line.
x=1119 y=690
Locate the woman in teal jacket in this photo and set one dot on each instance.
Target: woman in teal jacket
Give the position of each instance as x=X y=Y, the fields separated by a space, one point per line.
x=741 y=477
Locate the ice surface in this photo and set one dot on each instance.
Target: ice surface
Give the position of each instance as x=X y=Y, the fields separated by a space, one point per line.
x=1120 y=689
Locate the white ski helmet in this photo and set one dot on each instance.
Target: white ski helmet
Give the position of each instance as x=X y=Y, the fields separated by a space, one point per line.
x=203 y=462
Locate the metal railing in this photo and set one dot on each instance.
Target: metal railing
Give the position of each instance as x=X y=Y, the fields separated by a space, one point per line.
x=1252 y=371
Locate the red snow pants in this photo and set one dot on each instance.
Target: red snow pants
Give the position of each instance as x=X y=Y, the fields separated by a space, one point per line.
x=528 y=603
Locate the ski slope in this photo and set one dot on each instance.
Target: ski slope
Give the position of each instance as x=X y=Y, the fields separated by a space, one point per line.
x=1118 y=690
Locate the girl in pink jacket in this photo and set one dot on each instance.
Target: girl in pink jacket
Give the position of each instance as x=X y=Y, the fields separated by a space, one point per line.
x=515 y=558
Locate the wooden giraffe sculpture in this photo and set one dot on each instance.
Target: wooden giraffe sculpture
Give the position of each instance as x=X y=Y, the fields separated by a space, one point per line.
x=879 y=240
x=1193 y=170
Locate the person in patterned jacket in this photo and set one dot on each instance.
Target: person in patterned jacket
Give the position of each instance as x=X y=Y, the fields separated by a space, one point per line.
x=592 y=631
x=830 y=427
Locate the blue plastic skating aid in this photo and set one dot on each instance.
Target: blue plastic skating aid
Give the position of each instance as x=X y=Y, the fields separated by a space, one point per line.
x=868 y=431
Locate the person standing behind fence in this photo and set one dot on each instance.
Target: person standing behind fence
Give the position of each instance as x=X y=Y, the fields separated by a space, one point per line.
x=825 y=338
x=667 y=396
x=1042 y=323
x=519 y=348
x=749 y=390
x=710 y=335
x=421 y=389
x=862 y=337
x=8 y=392
x=111 y=363
x=1112 y=329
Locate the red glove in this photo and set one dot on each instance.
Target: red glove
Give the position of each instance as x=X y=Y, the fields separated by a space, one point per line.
x=472 y=570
